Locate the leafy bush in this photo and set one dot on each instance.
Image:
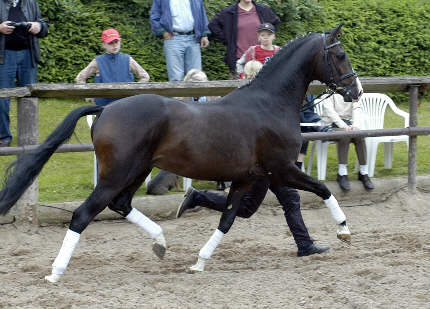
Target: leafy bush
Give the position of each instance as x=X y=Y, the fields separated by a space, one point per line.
x=382 y=37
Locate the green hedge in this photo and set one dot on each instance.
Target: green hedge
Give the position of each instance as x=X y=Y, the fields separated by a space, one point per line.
x=382 y=37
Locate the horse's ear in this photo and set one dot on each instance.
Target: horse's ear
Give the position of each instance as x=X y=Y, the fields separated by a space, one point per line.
x=335 y=33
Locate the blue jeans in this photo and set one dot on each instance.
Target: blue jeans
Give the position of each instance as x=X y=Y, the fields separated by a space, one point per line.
x=17 y=65
x=182 y=54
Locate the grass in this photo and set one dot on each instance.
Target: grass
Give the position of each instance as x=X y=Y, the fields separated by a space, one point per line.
x=67 y=176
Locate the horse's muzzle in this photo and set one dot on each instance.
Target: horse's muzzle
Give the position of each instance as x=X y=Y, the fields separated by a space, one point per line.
x=353 y=91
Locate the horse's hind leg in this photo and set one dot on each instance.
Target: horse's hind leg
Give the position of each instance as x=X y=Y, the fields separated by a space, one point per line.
x=82 y=216
x=293 y=177
x=122 y=205
x=235 y=194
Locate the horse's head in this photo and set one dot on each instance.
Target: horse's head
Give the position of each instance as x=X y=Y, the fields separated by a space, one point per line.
x=336 y=68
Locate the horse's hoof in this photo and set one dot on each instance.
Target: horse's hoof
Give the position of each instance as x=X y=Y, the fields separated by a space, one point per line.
x=198 y=267
x=194 y=270
x=159 y=246
x=53 y=278
x=345 y=238
x=343 y=234
x=159 y=250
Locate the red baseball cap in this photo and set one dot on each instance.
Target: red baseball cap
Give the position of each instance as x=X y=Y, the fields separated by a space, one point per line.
x=110 y=35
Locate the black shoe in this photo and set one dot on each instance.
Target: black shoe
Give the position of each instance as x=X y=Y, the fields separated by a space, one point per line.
x=312 y=249
x=367 y=183
x=220 y=186
x=343 y=182
x=188 y=202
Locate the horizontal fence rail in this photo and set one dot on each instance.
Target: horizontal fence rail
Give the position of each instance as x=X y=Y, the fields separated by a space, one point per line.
x=325 y=136
x=27 y=100
x=193 y=89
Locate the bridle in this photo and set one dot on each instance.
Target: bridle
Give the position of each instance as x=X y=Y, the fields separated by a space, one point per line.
x=336 y=85
x=333 y=85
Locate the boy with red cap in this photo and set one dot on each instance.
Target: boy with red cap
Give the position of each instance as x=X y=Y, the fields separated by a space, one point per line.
x=262 y=52
x=113 y=66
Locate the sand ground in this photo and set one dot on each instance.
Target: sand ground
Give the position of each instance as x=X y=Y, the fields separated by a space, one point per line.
x=387 y=265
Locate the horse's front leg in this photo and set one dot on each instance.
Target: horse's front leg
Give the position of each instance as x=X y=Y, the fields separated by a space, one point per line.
x=293 y=177
x=226 y=221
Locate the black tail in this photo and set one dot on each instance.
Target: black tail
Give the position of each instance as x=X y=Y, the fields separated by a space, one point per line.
x=29 y=164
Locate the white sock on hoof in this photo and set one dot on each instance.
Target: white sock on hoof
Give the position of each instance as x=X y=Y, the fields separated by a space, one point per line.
x=63 y=258
x=160 y=240
x=199 y=266
x=210 y=246
x=136 y=217
x=335 y=210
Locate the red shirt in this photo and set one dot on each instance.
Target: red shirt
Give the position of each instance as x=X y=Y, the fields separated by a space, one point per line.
x=263 y=55
x=247 y=24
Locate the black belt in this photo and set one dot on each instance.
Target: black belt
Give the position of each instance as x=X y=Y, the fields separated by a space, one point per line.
x=184 y=33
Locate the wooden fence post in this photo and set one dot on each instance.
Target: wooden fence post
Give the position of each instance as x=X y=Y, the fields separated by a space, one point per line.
x=28 y=134
x=412 y=154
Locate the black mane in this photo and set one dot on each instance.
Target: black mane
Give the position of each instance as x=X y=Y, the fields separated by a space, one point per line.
x=285 y=52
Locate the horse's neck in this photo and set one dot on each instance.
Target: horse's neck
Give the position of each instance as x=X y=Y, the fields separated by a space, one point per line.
x=285 y=95
x=286 y=80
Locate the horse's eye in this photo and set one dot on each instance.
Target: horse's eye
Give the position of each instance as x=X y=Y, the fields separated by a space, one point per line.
x=340 y=56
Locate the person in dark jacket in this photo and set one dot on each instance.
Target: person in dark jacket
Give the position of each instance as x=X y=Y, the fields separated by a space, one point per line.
x=21 y=26
x=235 y=26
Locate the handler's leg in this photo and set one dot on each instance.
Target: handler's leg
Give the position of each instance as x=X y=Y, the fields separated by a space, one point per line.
x=204 y=198
x=290 y=200
x=249 y=203
x=291 y=176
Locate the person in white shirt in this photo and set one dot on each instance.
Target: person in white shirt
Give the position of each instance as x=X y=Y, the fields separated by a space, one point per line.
x=344 y=115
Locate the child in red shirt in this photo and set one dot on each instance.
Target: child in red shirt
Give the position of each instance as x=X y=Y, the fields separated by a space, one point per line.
x=262 y=52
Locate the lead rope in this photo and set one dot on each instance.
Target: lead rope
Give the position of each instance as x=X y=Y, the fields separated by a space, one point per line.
x=312 y=104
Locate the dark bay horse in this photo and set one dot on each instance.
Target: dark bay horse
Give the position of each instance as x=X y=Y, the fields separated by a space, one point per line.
x=252 y=132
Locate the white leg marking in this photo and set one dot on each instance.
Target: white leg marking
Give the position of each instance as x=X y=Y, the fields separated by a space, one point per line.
x=199 y=266
x=153 y=229
x=207 y=250
x=136 y=217
x=63 y=258
x=335 y=210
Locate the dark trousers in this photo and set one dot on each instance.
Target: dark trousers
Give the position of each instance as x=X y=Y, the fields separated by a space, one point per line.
x=289 y=199
x=360 y=149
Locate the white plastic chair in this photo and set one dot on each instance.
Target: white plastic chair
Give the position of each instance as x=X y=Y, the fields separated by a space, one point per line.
x=373 y=105
x=321 y=149
x=90 y=119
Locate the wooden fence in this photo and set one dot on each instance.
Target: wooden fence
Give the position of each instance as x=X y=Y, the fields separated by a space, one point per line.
x=27 y=100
